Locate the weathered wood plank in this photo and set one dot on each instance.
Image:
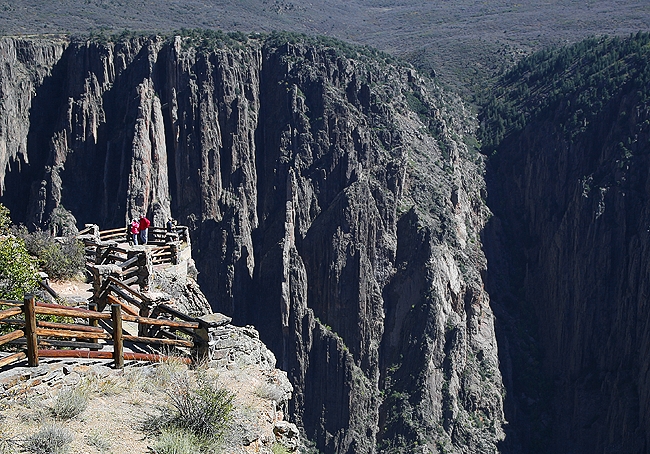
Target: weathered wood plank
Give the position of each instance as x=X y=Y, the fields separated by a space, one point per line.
x=11 y=336
x=129 y=274
x=129 y=289
x=62 y=344
x=107 y=232
x=161 y=322
x=128 y=298
x=159 y=341
x=49 y=289
x=68 y=333
x=10 y=312
x=128 y=309
x=175 y=313
x=30 y=331
x=72 y=312
x=93 y=322
x=12 y=358
x=131 y=280
x=69 y=326
x=118 y=346
x=108 y=355
x=130 y=261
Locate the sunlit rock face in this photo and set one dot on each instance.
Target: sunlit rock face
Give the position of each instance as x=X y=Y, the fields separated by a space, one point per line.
x=332 y=200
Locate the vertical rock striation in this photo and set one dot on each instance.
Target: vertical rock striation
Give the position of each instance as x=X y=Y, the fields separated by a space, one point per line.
x=333 y=202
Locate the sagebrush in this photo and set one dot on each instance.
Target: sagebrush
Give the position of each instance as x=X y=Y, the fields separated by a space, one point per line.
x=49 y=440
x=69 y=403
x=202 y=409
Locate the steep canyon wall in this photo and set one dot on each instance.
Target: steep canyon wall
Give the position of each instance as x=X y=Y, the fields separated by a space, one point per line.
x=568 y=253
x=332 y=198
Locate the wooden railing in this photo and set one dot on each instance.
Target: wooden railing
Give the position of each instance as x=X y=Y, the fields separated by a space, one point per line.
x=163 y=254
x=45 y=339
x=111 y=246
x=156 y=235
x=120 y=235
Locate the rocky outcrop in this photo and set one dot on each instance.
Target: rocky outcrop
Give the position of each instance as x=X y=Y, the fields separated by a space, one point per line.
x=332 y=201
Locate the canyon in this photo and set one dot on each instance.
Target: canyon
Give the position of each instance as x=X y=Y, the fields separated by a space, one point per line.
x=323 y=210
x=421 y=294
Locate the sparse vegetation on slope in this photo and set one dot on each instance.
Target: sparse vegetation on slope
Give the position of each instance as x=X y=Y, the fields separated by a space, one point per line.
x=571 y=85
x=60 y=258
x=50 y=439
x=465 y=43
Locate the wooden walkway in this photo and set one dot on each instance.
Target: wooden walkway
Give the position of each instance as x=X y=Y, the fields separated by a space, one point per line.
x=98 y=331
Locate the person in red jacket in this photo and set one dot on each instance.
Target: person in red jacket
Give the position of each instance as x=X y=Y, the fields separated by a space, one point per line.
x=135 y=231
x=144 y=229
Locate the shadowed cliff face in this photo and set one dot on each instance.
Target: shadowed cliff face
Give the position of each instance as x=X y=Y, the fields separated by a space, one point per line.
x=323 y=210
x=572 y=233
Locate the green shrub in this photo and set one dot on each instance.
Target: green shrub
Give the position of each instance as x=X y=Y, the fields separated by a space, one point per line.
x=5 y=220
x=17 y=269
x=278 y=448
x=204 y=409
x=60 y=258
x=48 y=440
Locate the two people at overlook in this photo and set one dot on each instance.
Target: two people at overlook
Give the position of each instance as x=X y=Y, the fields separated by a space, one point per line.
x=140 y=230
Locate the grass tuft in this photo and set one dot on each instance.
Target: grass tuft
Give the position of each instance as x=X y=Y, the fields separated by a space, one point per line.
x=177 y=441
x=98 y=441
x=7 y=445
x=278 y=448
x=69 y=403
x=49 y=440
x=270 y=391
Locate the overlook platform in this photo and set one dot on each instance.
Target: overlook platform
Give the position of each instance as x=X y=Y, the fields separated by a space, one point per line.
x=123 y=319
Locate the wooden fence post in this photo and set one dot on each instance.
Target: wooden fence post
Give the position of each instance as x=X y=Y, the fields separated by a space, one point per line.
x=118 y=346
x=30 y=330
x=202 y=343
x=92 y=306
x=174 y=247
x=145 y=311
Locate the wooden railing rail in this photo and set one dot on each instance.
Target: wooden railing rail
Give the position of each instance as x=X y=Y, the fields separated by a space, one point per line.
x=135 y=293
x=84 y=338
x=118 y=235
x=85 y=231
